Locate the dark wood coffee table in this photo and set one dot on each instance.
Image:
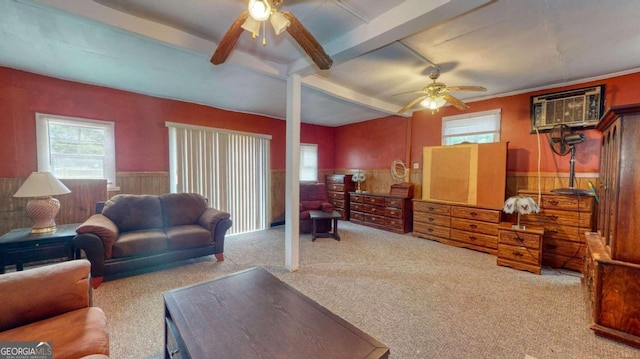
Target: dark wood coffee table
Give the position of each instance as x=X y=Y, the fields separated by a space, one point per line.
x=316 y=215
x=253 y=314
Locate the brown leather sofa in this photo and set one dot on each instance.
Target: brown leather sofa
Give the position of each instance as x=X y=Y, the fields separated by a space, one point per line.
x=53 y=304
x=314 y=197
x=136 y=231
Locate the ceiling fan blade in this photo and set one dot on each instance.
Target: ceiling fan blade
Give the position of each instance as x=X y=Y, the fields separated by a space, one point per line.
x=465 y=88
x=411 y=104
x=229 y=40
x=416 y=91
x=308 y=43
x=455 y=102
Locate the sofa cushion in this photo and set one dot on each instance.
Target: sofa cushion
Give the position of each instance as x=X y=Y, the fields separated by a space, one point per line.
x=140 y=242
x=182 y=208
x=187 y=236
x=74 y=334
x=134 y=212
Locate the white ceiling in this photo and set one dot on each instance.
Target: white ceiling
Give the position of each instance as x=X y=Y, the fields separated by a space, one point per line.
x=379 y=48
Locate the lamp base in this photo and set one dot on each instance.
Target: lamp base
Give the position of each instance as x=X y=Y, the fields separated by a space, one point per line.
x=43 y=212
x=518 y=226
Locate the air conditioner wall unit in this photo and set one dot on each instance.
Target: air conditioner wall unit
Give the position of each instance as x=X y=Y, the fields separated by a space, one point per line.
x=579 y=108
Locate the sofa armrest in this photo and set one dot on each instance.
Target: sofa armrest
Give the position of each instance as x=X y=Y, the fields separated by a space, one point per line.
x=102 y=227
x=327 y=207
x=210 y=219
x=43 y=292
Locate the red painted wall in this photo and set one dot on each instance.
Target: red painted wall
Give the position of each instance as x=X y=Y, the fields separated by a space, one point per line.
x=375 y=144
x=372 y=144
x=141 y=135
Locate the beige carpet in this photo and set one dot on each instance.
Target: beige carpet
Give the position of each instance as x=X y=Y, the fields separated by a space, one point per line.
x=421 y=298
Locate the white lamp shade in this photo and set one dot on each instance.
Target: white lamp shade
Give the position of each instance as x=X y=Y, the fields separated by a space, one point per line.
x=252 y=26
x=259 y=9
x=433 y=103
x=279 y=22
x=41 y=184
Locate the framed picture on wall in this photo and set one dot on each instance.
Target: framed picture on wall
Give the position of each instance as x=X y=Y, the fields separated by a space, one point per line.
x=579 y=108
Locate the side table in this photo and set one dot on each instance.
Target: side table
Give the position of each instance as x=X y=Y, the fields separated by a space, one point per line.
x=520 y=248
x=20 y=246
x=315 y=215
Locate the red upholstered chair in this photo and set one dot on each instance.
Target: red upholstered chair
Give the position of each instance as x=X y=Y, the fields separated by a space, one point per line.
x=314 y=197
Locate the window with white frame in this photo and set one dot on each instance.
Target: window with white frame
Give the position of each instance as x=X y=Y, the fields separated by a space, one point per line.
x=76 y=148
x=308 y=162
x=477 y=127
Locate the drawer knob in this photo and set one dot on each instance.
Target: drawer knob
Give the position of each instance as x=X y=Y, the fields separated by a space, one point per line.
x=429 y=229
x=473 y=214
x=174 y=352
x=431 y=219
x=552 y=217
x=554 y=202
x=473 y=238
x=517 y=254
x=431 y=208
x=474 y=226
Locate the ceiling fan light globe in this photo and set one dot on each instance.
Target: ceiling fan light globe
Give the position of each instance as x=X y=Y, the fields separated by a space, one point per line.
x=433 y=103
x=279 y=22
x=259 y=9
x=252 y=26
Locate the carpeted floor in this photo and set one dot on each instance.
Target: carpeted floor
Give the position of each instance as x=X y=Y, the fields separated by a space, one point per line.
x=421 y=298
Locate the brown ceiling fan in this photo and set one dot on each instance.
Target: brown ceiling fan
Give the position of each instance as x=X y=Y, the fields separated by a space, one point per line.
x=436 y=94
x=255 y=17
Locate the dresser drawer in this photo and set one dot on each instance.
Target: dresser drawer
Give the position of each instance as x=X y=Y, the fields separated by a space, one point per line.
x=356 y=197
x=430 y=207
x=477 y=239
x=573 y=203
x=570 y=233
x=519 y=254
x=436 y=219
x=335 y=187
x=394 y=212
x=479 y=214
x=431 y=230
x=373 y=200
x=394 y=202
x=332 y=179
x=475 y=226
x=567 y=218
x=358 y=216
x=336 y=196
x=553 y=246
x=337 y=204
x=356 y=206
x=515 y=238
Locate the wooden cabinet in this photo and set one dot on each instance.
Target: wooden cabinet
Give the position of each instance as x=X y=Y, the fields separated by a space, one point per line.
x=520 y=248
x=565 y=219
x=338 y=188
x=381 y=211
x=462 y=226
x=612 y=268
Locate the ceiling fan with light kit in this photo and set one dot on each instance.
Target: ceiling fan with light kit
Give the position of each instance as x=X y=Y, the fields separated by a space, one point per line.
x=436 y=94
x=259 y=11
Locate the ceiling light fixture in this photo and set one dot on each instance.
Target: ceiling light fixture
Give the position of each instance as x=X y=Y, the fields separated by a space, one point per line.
x=259 y=9
x=433 y=103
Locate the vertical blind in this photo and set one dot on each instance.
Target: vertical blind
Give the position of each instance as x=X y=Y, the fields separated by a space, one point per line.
x=230 y=169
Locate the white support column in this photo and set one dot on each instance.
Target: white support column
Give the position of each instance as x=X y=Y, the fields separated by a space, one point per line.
x=292 y=187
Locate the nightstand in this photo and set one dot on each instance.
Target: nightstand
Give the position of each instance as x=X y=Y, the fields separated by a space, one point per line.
x=20 y=246
x=520 y=248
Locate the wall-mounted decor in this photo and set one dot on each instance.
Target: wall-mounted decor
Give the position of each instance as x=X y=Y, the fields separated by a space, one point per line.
x=579 y=108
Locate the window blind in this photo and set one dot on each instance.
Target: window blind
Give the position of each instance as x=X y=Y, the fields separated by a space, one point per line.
x=231 y=169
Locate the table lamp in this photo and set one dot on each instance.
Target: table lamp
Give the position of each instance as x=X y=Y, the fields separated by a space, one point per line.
x=43 y=208
x=521 y=205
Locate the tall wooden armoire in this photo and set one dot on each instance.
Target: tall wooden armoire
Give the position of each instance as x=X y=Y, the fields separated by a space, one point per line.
x=612 y=263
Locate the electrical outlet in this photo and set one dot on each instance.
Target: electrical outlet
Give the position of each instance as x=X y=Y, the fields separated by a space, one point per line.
x=416 y=165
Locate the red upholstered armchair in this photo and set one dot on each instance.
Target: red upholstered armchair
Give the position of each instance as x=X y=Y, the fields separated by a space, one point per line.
x=314 y=197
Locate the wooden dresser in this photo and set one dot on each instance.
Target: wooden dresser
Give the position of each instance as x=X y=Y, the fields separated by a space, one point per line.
x=612 y=268
x=565 y=219
x=520 y=248
x=459 y=225
x=338 y=188
x=381 y=211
